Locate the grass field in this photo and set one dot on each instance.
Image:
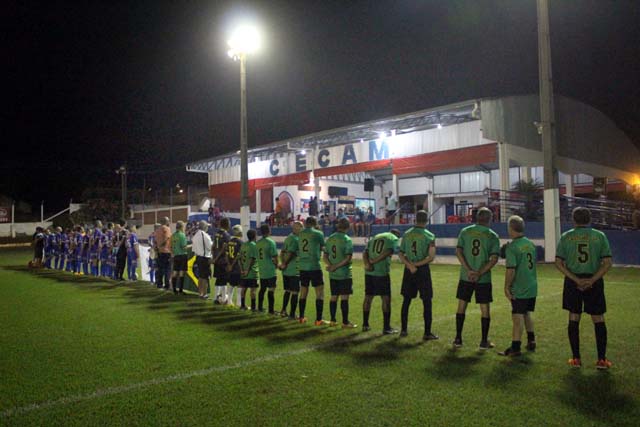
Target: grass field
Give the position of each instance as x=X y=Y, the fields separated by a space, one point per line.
x=76 y=351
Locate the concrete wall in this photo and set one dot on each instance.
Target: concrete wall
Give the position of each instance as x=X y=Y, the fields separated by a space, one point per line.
x=22 y=228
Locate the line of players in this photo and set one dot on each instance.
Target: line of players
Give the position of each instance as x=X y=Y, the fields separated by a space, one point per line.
x=583 y=256
x=98 y=251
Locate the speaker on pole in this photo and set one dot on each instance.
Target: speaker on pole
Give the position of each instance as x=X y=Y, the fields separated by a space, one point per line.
x=369 y=184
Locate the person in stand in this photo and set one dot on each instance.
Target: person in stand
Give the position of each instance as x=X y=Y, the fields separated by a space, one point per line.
x=369 y=220
x=392 y=205
x=313 y=206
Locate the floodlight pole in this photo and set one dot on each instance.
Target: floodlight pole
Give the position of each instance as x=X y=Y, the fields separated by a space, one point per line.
x=547 y=130
x=122 y=171
x=244 y=168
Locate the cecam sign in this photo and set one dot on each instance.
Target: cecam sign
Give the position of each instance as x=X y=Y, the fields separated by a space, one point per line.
x=333 y=156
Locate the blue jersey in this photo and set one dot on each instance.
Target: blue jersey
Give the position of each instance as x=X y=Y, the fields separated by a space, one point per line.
x=86 y=239
x=64 y=241
x=77 y=242
x=52 y=241
x=132 y=241
x=96 y=238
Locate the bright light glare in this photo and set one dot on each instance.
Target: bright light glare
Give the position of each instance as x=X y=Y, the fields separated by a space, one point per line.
x=439 y=126
x=303 y=152
x=245 y=39
x=382 y=135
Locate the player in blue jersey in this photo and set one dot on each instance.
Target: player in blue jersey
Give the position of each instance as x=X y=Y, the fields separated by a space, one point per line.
x=94 y=247
x=133 y=253
x=105 y=248
x=71 y=235
x=59 y=255
x=62 y=248
x=77 y=250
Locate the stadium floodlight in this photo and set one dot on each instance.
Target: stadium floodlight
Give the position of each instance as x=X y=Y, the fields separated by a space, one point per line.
x=245 y=40
x=439 y=126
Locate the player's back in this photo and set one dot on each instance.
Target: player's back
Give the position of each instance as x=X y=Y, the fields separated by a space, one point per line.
x=378 y=245
x=521 y=255
x=338 y=247
x=310 y=242
x=266 y=251
x=416 y=242
x=582 y=249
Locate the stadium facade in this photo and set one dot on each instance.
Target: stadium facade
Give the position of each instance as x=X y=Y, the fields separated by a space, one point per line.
x=446 y=160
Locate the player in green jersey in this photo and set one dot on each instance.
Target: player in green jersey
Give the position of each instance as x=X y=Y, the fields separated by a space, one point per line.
x=290 y=270
x=311 y=241
x=377 y=264
x=338 y=252
x=520 y=285
x=478 y=250
x=248 y=270
x=267 y=264
x=584 y=257
x=417 y=251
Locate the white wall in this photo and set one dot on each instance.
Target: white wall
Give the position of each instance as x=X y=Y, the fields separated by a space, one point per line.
x=22 y=228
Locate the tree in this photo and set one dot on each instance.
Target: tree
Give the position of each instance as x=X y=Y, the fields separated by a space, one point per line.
x=530 y=191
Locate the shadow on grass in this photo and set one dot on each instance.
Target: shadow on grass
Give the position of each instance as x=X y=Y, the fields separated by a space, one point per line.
x=274 y=331
x=509 y=370
x=452 y=366
x=596 y=395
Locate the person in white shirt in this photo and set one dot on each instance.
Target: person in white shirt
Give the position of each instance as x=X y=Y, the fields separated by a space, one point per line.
x=201 y=246
x=392 y=205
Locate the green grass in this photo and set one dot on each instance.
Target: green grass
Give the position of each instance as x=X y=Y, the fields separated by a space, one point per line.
x=65 y=336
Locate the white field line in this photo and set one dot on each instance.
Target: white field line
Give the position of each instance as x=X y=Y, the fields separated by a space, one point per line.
x=110 y=391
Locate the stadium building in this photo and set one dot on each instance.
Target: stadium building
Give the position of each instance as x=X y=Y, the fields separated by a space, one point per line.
x=447 y=160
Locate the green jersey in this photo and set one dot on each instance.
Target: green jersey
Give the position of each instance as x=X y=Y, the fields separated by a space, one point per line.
x=178 y=243
x=290 y=247
x=478 y=244
x=310 y=243
x=416 y=243
x=266 y=252
x=247 y=252
x=338 y=247
x=379 y=244
x=521 y=256
x=582 y=250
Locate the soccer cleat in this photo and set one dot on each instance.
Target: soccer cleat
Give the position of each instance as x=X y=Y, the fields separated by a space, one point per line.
x=404 y=333
x=333 y=323
x=430 y=337
x=389 y=331
x=603 y=364
x=531 y=346
x=366 y=328
x=485 y=345
x=349 y=326
x=321 y=322
x=457 y=343
x=575 y=363
x=302 y=320
x=510 y=352
x=292 y=318
x=284 y=313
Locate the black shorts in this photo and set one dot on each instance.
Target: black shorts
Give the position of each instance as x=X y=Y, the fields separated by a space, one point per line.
x=234 y=279
x=220 y=271
x=291 y=283
x=180 y=263
x=418 y=282
x=314 y=277
x=592 y=300
x=268 y=283
x=341 y=287
x=377 y=285
x=204 y=267
x=523 y=305
x=483 y=291
x=248 y=283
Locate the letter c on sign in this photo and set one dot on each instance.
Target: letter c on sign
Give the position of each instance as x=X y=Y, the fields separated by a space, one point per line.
x=323 y=161
x=273 y=167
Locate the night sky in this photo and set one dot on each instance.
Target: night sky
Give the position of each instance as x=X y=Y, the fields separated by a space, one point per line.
x=93 y=84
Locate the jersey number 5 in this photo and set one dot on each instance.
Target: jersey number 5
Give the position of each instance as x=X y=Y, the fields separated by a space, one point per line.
x=583 y=251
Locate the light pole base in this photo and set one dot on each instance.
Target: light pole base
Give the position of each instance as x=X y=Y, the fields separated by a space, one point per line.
x=551 y=223
x=245 y=220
